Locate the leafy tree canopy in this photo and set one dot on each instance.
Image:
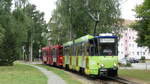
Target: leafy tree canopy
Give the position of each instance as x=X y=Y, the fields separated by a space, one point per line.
x=20 y=27
x=72 y=19
x=143 y=24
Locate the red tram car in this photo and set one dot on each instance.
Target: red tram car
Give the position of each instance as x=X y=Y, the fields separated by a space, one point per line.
x=46 y=55
x=53 y=55
x=57 y=55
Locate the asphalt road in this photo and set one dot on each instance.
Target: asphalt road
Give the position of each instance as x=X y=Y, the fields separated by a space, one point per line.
x=142 y=66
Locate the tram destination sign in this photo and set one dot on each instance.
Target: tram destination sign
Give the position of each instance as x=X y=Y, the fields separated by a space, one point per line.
x=107 y=40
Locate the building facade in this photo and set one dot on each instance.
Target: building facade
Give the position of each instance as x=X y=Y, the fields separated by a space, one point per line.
x=127 y=47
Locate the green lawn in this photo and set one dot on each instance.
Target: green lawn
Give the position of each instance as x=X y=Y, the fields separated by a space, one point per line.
x=21 y=74
x=69 y=79
x=137 y=74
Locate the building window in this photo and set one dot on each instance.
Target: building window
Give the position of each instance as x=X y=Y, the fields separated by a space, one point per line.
x=133 y=38
x=133 y=53
x=121 y=44
x=121 y=52
x=129 y=37
x=137 y=53
x=126 y=48
x=143 y=53
x=130 y=45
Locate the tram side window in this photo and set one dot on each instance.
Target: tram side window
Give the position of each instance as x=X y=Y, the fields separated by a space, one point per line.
x=54 y=53
x=93 y=48
x=67 y=52
x=61 y=51
x=80 y=50
x=74 y=51
x=77 y=51
x=70 y=50
x=84 y=50
x=64 y=51
x=44 y=53
x=57 y=51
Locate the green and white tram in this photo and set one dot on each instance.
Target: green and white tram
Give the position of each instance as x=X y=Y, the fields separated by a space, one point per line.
x=93 y=56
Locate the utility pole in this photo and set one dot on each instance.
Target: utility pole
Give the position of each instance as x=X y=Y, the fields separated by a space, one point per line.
x=31 y=50
x=31 y=44
x=70 y=14
x=71 y=27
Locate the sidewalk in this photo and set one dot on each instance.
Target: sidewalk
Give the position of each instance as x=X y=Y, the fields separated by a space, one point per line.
x=52 y=78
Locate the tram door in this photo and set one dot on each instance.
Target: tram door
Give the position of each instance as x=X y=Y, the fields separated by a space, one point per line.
x=54 y=56
x=84 y=54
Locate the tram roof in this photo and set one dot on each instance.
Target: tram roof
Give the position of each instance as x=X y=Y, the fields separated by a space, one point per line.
x=106 y=37
x=79 y=40
x=46 y=48
x=84 y=38
x=68 y=43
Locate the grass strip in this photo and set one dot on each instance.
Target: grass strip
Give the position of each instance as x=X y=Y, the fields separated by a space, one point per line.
x=137 y=74
x=69 y=79
x=21 y=74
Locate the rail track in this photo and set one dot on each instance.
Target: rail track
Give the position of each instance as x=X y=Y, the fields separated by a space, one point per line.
x=121 y=80
x=108 y=80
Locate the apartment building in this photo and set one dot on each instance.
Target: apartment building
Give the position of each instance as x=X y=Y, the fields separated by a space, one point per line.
x=127 y=45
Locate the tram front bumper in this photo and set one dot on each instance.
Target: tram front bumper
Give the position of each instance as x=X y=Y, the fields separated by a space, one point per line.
x=102 y=72
x=107 y=72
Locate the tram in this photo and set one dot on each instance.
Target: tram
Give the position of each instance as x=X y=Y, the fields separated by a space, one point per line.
x=91 y=55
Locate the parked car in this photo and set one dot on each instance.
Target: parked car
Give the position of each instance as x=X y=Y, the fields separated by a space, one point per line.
x=133 y=60
x=123 y=61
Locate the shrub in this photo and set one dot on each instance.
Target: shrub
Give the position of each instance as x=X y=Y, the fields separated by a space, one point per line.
x=143 y=59
x=128 y=64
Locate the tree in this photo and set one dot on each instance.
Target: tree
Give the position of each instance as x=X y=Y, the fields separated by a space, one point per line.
x=8 y=49
x=2 y=31
x=20 y=27
x=75 y=20
x=143 y=24
x=35 y=29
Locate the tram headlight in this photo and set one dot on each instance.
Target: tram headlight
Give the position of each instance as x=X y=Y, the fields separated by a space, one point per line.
x=102 y=65
x=61 y=58
x=115 y=65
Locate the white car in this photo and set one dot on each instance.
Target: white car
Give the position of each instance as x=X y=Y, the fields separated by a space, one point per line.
x=123 y=61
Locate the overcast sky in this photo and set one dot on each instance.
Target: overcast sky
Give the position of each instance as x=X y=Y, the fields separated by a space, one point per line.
x=47 y=6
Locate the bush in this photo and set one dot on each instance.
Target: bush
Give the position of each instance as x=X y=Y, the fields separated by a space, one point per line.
x=8 y=50
x=5 y=63
x=128 y=64
x=143 y=59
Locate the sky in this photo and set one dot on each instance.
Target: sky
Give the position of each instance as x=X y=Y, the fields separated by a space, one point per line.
x=127 y=8
x=47 y=6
